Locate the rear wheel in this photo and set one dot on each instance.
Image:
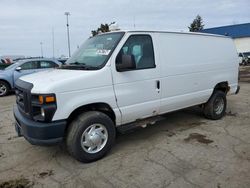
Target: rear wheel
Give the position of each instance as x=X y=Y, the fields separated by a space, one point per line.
x=215 y=108
x=4 y=88
x=90 y=136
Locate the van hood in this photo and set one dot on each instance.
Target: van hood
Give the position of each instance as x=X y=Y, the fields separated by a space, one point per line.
x=64 y=80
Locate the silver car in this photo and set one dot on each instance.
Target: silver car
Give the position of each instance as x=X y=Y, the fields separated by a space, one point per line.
x=10 y=74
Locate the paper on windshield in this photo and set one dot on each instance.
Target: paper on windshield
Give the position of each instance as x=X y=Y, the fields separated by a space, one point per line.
x=102 y=52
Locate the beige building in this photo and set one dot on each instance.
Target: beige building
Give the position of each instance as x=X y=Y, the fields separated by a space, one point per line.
x=240 y=33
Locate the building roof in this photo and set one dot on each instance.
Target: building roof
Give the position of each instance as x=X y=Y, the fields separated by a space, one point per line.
x=234 y=31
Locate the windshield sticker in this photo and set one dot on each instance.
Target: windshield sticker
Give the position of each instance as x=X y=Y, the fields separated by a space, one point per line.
x=102 y=52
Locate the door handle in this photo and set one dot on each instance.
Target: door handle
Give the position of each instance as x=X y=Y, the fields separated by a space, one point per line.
x=158 y=85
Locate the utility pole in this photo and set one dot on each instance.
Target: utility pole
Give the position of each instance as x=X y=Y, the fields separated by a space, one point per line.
x=67 y=17
x=41 y=49
x=53 y=42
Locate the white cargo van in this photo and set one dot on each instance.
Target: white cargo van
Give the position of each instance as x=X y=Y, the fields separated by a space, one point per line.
x=119 y=80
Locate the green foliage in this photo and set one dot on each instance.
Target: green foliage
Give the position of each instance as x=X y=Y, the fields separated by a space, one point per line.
x=102 y=29
x=3 y=66
x=197 y=25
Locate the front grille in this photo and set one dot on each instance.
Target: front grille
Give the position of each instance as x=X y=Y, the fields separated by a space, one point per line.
x=23 y=97
x=23 y=101
x=20 y=99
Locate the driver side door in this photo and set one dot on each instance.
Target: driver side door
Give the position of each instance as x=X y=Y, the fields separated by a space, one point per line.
x=137 y=91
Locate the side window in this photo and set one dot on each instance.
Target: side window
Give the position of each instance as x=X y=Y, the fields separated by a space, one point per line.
x=30 y=65
x=140 y=47
x=125 y=50
x=137 y=52
x=47 y=64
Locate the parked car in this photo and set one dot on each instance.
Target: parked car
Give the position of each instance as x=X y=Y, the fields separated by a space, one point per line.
x=62 y=60
x=247 y=54
x=104 y=88
x=10 y=74
x=243 y=58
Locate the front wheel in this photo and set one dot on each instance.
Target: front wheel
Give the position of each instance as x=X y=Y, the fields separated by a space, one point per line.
x=4 y=88
x=90 y=136
x=216 y=106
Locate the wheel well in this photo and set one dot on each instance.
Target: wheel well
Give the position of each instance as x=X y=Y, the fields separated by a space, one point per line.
x=101 y=107
x=222 y=86
x=6 y=83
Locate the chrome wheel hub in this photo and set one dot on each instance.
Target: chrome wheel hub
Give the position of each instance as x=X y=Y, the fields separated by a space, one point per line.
x=219 y=106
x=3 y=89
x=94 y=138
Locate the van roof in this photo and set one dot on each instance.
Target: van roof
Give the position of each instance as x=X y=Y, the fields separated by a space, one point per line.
x=174 y=32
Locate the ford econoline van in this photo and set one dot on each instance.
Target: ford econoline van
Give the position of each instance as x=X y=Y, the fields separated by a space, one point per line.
x=123 y=79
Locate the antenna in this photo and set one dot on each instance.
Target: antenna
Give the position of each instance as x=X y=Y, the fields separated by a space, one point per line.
x=134 y=21
x=41 y=43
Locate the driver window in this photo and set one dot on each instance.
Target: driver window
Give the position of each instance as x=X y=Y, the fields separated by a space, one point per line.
x=141 y=48
x=47 y=64
x=30 y=65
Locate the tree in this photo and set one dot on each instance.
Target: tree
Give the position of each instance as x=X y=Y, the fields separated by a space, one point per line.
x=197 y=25
x=102 y=29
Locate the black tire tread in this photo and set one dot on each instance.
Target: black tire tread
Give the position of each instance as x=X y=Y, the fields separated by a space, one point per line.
x=7 y=86
x=208 y=107
x=73 y=128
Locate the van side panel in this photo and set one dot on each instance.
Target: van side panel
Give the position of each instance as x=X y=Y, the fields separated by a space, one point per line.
x=191 y=66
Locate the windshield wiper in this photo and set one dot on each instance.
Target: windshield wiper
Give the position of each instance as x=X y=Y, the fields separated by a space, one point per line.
x=76 y=63
x=78 y=66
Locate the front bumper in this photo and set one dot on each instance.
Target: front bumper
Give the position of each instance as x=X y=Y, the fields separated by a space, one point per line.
x=38 y=133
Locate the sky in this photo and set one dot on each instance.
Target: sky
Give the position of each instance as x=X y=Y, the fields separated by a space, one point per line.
x=24 y=24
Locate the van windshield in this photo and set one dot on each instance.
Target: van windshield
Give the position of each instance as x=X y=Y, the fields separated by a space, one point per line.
x=94 y=53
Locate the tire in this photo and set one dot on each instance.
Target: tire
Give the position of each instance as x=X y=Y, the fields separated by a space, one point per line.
x=80 y=138
x=4 y=88
x=216 y=106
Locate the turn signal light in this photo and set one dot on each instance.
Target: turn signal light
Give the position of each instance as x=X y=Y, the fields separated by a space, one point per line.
x=46 y=99
x=50 y=99
x=40 y=99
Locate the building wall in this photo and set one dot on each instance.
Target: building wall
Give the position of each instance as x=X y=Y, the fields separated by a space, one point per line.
x=242 y=44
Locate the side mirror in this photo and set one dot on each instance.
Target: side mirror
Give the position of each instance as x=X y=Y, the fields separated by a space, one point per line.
x=18 y=68
x=127 y=63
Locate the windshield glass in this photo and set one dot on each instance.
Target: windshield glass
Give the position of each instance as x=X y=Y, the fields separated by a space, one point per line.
x=94 y=53
x=11 y=66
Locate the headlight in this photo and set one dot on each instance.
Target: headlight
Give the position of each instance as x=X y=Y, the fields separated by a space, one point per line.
x=42 y=112
x=43 y=107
